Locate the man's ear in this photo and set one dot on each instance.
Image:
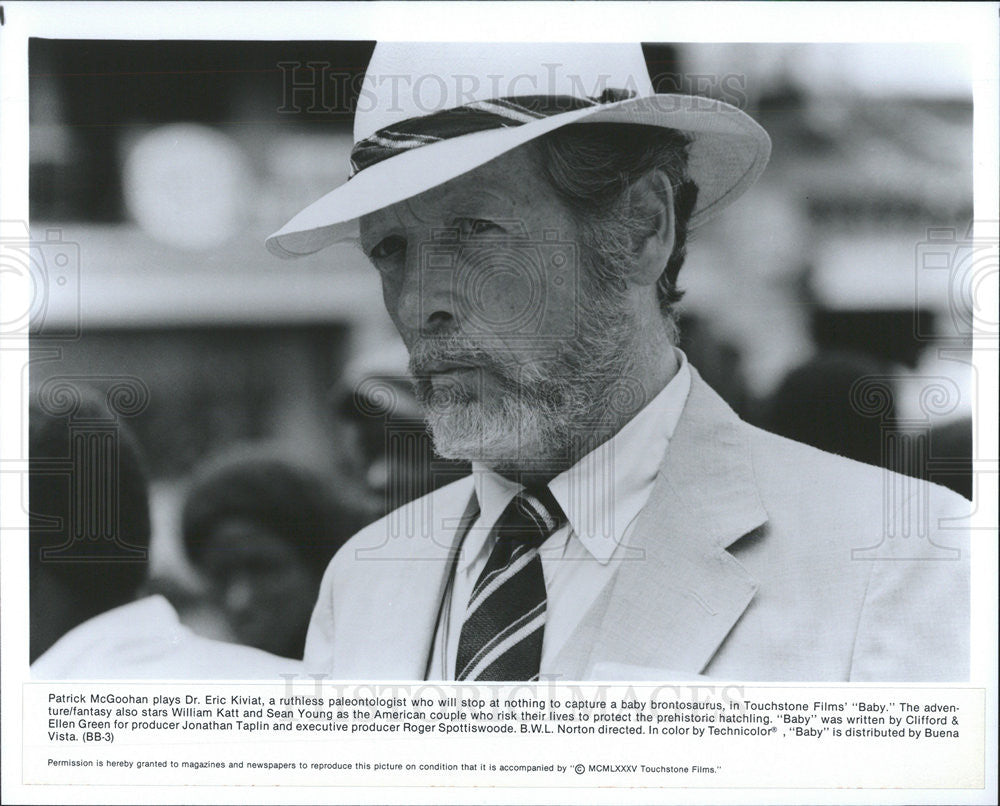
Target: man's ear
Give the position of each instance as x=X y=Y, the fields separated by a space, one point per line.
x=652 y=201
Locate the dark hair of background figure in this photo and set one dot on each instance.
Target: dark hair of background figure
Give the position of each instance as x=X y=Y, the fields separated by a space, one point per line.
x=63 y=591
x=291 y=500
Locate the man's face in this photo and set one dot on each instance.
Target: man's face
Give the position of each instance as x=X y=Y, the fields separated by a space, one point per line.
x=509 y=338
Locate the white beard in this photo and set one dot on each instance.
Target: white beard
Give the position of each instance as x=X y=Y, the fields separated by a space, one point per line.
x=505 y=431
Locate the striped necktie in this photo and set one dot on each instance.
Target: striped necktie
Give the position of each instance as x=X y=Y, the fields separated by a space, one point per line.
x=501 y=637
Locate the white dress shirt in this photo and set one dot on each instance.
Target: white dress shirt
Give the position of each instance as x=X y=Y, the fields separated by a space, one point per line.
x=601 y=495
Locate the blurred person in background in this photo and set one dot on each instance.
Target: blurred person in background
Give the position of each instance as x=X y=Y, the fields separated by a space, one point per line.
x=385 y=436
x=621 y=521
x=812 y=404
x=86 y=619
x=65 y=592
x=196 y=611
x=260 y=528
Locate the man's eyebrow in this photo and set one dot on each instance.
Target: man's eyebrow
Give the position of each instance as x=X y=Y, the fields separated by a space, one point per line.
x=469 y=196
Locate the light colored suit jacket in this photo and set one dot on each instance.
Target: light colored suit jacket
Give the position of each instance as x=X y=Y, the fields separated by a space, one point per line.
x=755 y=558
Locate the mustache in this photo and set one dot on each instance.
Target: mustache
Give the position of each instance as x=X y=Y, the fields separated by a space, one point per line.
x=458 y=349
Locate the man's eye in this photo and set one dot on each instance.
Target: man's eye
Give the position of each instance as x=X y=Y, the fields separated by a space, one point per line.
x=482 y=226
x=387 y=247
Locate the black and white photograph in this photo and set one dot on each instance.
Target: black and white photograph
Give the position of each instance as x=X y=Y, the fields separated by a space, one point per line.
x=454 y=362
x=593 y=475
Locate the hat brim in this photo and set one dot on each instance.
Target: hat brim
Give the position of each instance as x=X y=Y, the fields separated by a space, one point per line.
x=728 y=152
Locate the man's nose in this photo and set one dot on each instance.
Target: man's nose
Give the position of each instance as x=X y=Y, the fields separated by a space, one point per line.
x=427 y=298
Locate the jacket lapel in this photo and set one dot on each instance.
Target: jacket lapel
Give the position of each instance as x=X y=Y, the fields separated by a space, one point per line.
x=678 y=591
x=409 y=593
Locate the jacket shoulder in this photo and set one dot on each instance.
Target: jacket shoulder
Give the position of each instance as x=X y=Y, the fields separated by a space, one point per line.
x=413 y=531
x=782 y=465
x=879 y=559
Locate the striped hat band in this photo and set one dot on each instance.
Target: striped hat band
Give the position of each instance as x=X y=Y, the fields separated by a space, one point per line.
x=479 y=116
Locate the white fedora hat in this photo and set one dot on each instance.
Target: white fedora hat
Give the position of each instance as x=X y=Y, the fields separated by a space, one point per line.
x=430 y=111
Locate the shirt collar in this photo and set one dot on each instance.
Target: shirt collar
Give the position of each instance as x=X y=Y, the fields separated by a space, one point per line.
x=605 y=490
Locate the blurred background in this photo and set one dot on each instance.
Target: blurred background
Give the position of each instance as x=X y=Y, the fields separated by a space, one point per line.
x=828 y=304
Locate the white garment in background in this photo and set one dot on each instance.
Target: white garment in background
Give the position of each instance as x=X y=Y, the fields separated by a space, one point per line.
x=145 y=639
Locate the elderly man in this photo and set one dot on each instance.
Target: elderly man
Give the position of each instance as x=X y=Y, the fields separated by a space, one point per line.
x=528 y=224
